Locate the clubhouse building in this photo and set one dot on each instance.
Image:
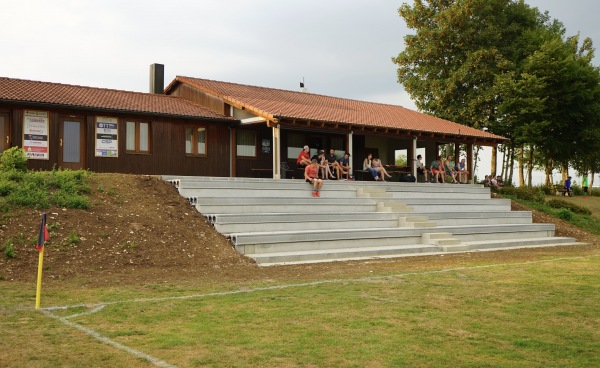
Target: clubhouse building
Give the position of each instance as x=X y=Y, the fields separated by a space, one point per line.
x=200 y=127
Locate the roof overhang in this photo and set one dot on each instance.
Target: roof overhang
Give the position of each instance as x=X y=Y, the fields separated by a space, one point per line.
x=297 y=123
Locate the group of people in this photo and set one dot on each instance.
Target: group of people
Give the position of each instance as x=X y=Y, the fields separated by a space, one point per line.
x=440 y=169
x=322 y=167
x=568 y=190
x=373 y=166
x=491 y=181
x=328 y=166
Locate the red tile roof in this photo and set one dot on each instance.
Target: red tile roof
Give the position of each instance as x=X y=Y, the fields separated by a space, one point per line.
x=18 y=90
x=275 y=103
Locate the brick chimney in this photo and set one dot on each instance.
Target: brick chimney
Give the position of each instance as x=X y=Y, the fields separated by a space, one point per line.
x=157 y=79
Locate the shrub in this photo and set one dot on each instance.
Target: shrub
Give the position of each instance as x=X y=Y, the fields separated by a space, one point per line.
x=565 y=214
x=547 y=189
x=7 y=187
x=562 y=204
x=9 y=249
x=535 y=194
x=62 y=198
x=13 y=159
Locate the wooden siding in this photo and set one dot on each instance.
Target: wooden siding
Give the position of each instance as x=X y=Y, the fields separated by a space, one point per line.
x=202 y=98
x=167 y=155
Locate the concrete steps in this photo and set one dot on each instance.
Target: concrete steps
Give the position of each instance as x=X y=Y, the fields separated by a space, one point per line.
x=279 y=222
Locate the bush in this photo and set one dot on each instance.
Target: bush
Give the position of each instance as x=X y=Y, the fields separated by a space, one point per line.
x=565 y=214
x=547 y=189
x=9 y=249
x=562 y=204
x=535 y=194
x=7 y=187
x=13 y=159
x=62 y=198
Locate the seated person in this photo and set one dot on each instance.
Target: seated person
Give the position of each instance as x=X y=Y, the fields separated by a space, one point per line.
x=421 y=169
x=487 y=182
x=493 y=182
x=311 y=175
x=378 y=166
x=304 y=157
x=567 y=190
x=437 y=170
x=463 y=174
x=332 y=160
x=324 y=166
x=449 y=169
x=367 y=166
x=499 y=182
x=343 y=167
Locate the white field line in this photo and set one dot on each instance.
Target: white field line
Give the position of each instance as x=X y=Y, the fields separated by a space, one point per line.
x=138 y=354
x=159 y=363
x=313 y=283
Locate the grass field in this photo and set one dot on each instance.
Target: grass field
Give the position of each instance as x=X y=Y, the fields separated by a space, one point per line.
x=531 y=309
x=543 y=313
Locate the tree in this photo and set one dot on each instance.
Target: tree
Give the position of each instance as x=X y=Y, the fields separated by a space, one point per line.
x=450 y=65
x=503 y=65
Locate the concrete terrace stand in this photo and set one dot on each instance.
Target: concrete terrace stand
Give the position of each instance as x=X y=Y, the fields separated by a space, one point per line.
x=279 y=222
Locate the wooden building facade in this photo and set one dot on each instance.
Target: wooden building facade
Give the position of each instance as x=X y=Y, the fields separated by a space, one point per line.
x=278 y=123
x=102 y=130
x=201 y=127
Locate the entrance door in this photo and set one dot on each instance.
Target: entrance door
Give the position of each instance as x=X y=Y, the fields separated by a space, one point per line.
x=4 y=132
x=71 y=151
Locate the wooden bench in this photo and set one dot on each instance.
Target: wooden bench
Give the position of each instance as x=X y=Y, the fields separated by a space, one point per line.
x=559 y=188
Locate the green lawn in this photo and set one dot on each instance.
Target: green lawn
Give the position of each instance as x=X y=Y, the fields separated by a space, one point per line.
x=544 y=313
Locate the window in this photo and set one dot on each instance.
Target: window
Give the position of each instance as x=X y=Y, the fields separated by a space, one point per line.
x=195 y=141
x=246 y=143
x=138 y=137
x=295 y=144
x=338 y=142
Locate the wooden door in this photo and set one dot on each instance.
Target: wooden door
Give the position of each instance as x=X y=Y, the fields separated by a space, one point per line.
x=4 y=132
x=71 y=143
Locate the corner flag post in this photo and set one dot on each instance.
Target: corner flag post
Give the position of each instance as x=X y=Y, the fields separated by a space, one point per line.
x=42 y=237
x=38 y=292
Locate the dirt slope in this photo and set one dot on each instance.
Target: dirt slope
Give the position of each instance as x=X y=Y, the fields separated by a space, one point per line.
x=139 y=231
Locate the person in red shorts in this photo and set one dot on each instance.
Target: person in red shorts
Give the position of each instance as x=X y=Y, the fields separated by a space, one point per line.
x=437 y=170
x=303 y=157
x=311 y=175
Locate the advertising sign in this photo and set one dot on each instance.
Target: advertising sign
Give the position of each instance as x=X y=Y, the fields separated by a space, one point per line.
x=35 y=134
x=107 y=144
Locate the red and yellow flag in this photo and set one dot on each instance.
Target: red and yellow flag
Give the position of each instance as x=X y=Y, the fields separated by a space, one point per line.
x=43 y=234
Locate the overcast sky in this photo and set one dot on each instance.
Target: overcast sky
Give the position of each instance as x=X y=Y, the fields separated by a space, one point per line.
x=341 y=48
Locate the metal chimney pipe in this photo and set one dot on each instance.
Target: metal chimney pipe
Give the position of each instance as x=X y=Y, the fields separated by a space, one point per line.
x=157 y=79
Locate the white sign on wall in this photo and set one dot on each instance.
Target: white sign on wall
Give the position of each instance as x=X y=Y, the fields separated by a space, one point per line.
x=107 y=143
x=35 y=134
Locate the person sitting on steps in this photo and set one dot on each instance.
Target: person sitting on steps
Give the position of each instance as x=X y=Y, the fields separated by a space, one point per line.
x=304 y=157
x=378 y=166
x=311 y=175
x=463 y=173
x=368 y=166
x=343 y=167
x=437 y=170
x=333 y=163
x=324 y=166
x=449 y=169
x=421 y=169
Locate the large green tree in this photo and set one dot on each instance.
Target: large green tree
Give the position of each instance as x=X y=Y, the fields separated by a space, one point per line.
x=503 y=65
x=449 y=66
